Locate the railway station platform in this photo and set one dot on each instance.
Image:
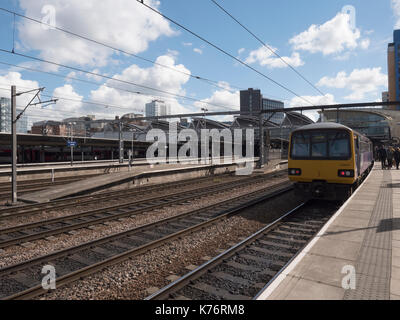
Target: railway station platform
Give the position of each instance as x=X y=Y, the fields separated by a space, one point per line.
x=137 y=176
x=356 y=255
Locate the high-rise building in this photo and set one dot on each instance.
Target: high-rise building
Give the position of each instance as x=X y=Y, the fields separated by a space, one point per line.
x=157 y=108
x=252 y=101
x=394 y=69
x=269 y=104
x=385 y=96
x=5 y=117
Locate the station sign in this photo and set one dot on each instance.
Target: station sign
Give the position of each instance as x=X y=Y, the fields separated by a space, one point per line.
x=72 y=144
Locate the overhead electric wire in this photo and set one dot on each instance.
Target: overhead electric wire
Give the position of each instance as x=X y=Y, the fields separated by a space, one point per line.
x=268 y=47
x=206 y=80
x=64 y=111
x=224 y=52
x=113 y=78
x=154 y=97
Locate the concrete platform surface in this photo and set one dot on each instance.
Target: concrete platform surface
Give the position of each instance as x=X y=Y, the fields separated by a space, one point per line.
x=356 y=255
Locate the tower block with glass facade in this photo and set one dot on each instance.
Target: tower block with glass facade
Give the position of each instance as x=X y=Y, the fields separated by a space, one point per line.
x=394 y=69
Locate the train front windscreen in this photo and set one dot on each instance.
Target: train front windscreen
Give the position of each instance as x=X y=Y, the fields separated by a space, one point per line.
x=320 y=144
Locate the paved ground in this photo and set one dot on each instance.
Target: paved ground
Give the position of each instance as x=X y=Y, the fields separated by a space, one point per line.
x=362 y=239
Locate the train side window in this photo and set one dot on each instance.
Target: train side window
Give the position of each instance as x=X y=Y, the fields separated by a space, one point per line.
x=300 y=146
x=318 y=145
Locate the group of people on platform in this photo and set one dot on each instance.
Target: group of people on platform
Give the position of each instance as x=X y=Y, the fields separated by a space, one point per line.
x=389 y=156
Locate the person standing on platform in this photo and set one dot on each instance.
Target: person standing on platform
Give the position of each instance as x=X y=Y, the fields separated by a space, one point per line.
x=397 y=157
x=382 y=156
x=389 y=154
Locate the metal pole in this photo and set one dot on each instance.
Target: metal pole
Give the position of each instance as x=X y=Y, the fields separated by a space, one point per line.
x=132 y=142
x=14 y=143
x=261 y=162
x=72 y=148
x=121 y=143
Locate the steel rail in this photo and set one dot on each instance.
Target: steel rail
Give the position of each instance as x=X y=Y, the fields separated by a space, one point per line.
x=165 y=292
x=142 y=206
x=225 y=212
x=31 y=209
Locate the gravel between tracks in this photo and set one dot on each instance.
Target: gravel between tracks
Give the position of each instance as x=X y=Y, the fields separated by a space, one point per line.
x=131 y=279
x=56 y=213
x=17 y=254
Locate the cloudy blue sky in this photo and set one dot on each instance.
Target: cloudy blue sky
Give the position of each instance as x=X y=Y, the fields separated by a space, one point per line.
x=342 y=54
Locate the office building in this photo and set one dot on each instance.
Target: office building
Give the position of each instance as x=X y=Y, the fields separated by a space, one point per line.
x=5 y=117
x=393 y=56
x=252 y=101
x=157 y=108
x=385 y=96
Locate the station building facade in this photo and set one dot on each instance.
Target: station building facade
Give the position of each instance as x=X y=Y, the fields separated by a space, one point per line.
x=380 y=125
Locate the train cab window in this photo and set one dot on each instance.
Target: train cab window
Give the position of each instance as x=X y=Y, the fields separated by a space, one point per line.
x=339 y=145
x=329 y=144
x=318 y=145
x=301 y=145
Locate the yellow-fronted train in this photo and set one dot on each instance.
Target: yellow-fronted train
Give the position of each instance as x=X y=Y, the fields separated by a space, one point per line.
x=328 y=160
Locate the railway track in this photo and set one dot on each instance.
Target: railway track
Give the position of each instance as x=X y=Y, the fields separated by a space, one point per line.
x=242 y=271
x=32 y=209
x=45 y=228
x=23 y=280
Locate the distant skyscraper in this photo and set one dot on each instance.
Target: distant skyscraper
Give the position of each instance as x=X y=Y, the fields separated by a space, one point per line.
x=269 y=104
x=5 y=117
x=394 y=69
x=157 y=108
x=385 y=96
x=252 y=101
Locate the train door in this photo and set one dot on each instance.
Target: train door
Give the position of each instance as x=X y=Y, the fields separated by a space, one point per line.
x=357 y=154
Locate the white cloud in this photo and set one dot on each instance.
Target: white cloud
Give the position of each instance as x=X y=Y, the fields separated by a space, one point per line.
x=37 y=113
x=93 y=76
x=265 y=57
x=15 y=78
x=333 y=36
x=315 y=100
x=360 y=81
x=197 y=50
x=226 y=98
x=72 y=74
x=364 y=44
x=73 y=105
x=124 y=24
x=396 y=11
x=187 y=44
x=155 y=77
x=327 y=99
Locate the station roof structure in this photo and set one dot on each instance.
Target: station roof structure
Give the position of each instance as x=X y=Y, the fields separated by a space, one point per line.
x=61 y=141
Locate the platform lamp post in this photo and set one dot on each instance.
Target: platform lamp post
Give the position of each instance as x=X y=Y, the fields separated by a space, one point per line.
x=14 y=119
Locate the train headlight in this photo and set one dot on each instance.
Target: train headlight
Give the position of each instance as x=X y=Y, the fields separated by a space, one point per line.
x=294 y=172
x=346 y=173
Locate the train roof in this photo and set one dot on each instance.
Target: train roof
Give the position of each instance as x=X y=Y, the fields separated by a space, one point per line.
x=323 y=125
x=329 y=125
